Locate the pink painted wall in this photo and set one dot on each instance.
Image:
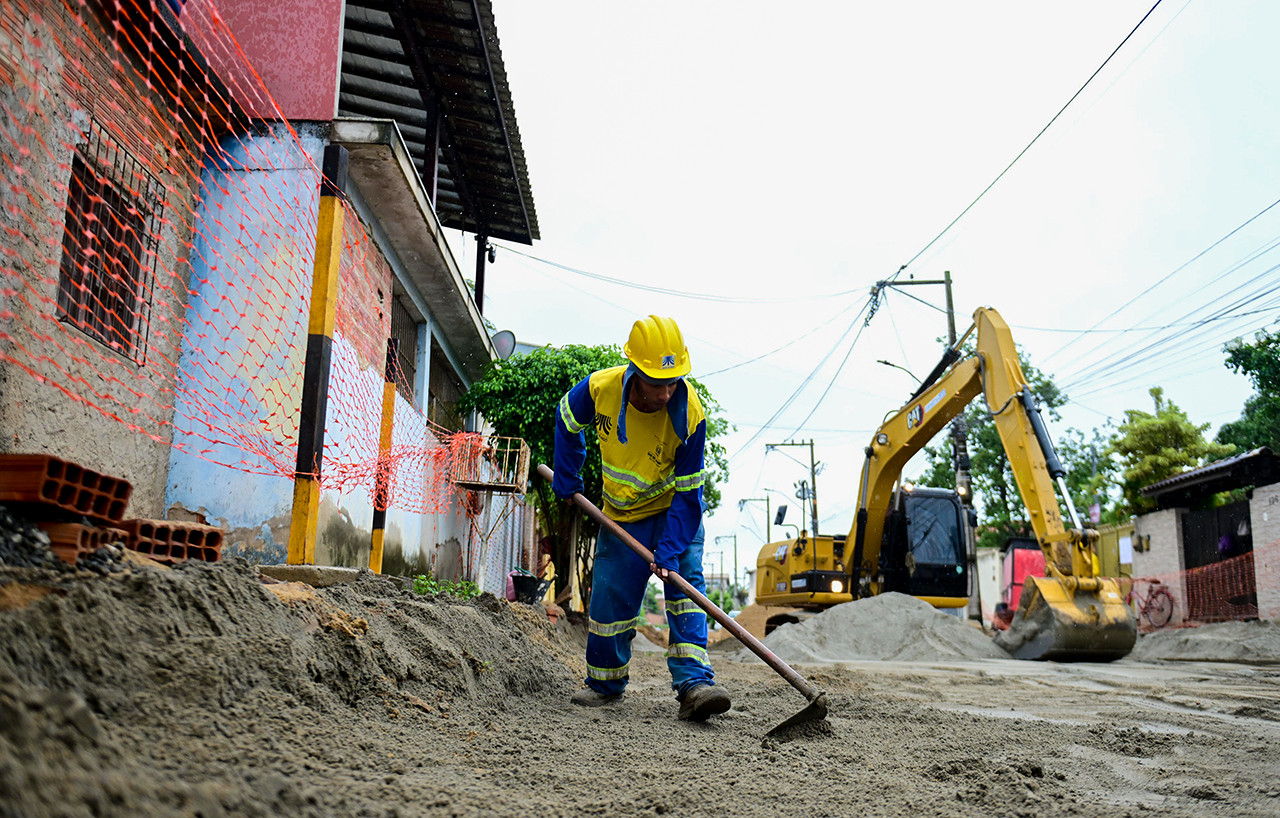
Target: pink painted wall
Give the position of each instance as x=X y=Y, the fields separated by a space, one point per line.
x=294 y=46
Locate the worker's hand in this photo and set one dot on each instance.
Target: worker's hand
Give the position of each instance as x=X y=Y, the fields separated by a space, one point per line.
x=658 y=571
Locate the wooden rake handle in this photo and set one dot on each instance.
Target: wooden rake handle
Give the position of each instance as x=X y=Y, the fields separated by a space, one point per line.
x=740 y=633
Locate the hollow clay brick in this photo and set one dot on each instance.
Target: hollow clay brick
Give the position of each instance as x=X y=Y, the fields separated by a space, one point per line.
x=45 y=480
x=172 y=541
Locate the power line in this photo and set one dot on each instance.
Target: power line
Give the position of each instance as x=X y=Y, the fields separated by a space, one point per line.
x=776 y=350
x=635 y=285
x=808 y=378
x=1064 y=330
x=1170 y=275
x=1033 y=141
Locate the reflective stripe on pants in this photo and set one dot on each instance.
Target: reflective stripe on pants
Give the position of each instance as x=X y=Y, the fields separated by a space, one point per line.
x=617 y=593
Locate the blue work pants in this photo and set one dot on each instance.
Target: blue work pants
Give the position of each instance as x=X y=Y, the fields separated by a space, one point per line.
x=617 y=592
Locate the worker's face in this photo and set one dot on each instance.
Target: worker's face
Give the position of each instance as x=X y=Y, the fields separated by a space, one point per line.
x=649 y=397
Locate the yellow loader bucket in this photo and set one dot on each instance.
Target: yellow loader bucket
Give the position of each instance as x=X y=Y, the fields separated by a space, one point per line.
x=1069 y=619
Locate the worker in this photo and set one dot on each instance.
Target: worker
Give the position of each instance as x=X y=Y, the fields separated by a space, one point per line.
x=652 y=432
x=1003 y=618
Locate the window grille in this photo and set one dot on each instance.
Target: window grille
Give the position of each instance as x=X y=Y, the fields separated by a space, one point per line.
x=405 y=330
x=114 y=207
x=445 y=391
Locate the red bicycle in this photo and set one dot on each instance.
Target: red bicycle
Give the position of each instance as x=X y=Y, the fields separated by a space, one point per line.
x=1156 y=606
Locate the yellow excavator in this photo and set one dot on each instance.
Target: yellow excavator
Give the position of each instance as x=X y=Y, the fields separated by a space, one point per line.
x=918 y=540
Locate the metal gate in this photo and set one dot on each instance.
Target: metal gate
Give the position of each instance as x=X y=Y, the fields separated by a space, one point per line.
x=1217 y=547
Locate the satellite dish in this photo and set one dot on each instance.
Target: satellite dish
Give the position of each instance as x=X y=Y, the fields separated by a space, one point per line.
x=504 y=343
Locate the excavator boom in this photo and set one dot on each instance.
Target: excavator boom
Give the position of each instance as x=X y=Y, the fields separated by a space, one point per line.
x=1068 y=614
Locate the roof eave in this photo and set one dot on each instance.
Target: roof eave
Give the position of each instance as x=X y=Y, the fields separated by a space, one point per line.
x=382 y=170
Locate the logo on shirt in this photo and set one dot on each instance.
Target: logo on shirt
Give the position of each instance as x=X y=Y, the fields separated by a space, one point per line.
x=655 y=456
x=603 y=424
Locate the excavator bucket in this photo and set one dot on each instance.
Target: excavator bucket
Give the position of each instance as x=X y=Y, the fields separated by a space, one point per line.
x=1053 y=622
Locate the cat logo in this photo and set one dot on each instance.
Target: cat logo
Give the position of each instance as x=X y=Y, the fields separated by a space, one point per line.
x=915 y=417
x=603 y=424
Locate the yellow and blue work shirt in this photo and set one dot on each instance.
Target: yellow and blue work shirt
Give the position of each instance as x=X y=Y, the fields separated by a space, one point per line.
x=651 y=461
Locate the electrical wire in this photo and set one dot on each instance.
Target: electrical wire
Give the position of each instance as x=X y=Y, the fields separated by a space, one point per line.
x=635 y=285
x=1033 y=141
x=1065 y=330
x=792 y=342
x=769 y=424
x=1171 y=274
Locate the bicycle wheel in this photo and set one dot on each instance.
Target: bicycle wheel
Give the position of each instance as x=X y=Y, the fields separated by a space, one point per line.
x=1159 y=607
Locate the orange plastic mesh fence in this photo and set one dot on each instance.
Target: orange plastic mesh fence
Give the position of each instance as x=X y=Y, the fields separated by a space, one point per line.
x=1222 y=591
x=157 y=249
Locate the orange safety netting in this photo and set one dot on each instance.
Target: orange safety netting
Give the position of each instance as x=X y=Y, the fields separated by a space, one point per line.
x=1221 y=591
x=157 y=248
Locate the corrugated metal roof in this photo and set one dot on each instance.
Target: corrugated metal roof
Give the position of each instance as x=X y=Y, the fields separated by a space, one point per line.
x=406 y=59
x=1253 y=468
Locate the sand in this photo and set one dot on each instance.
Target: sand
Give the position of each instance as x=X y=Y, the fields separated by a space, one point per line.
x=889 y=626
x=205 y=691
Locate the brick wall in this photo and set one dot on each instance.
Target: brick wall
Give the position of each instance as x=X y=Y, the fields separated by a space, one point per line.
x=1264 y=513
x=1161 y=534
x=364 y=299
x=55 y=76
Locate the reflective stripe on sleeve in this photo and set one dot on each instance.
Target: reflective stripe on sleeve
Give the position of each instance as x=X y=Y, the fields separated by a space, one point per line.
x=566 y=417
x=614 y=628
x=690 y=482
x=685 y=650
x=608 y=674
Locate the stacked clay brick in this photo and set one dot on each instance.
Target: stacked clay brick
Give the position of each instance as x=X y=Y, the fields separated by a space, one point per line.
x=82 y=510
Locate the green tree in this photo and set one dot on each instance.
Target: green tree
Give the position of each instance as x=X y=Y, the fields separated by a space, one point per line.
x=1091 y=471
x=1259 y=423
x=1151 y=447
x=722 y=598
x=650 y=604
x=519 y=398
x=995 y=492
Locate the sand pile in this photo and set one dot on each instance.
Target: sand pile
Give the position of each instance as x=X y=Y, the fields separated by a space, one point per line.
x=174 y=691
x=887 y=627
x=1256 y=642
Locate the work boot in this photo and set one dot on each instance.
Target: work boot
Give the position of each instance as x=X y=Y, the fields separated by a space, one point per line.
x=702 y=702
x=591 y=698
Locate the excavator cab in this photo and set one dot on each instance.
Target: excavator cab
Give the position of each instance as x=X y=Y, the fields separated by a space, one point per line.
x=925 y=551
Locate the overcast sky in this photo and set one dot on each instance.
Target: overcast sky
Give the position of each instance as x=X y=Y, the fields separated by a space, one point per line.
x=763 y=165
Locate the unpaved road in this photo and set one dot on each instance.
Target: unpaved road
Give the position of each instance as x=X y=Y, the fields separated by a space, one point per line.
x=202 y=691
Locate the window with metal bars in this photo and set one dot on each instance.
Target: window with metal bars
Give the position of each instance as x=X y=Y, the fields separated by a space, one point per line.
x=405 y=330
x=444 y=391
x=109 y=245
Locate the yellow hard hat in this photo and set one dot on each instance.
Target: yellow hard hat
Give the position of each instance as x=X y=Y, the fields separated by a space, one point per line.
x=657 y=348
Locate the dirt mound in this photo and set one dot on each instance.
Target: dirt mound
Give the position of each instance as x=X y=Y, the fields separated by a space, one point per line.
x=1256 y=642
x=165 y=691
x=890 y=626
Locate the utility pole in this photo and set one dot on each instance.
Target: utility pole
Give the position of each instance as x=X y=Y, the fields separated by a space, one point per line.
x=811 y=492
x=959 y=446
x=768 y=531
x=733 y=537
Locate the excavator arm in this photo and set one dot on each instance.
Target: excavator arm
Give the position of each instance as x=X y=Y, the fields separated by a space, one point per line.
x=1069 y=613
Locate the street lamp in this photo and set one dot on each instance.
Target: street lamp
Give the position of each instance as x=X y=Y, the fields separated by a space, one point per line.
x=768 y=532
x=903 y=368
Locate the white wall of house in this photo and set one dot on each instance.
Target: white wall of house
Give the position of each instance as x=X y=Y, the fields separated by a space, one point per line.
x=1264 y=513
x=1160 y=536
